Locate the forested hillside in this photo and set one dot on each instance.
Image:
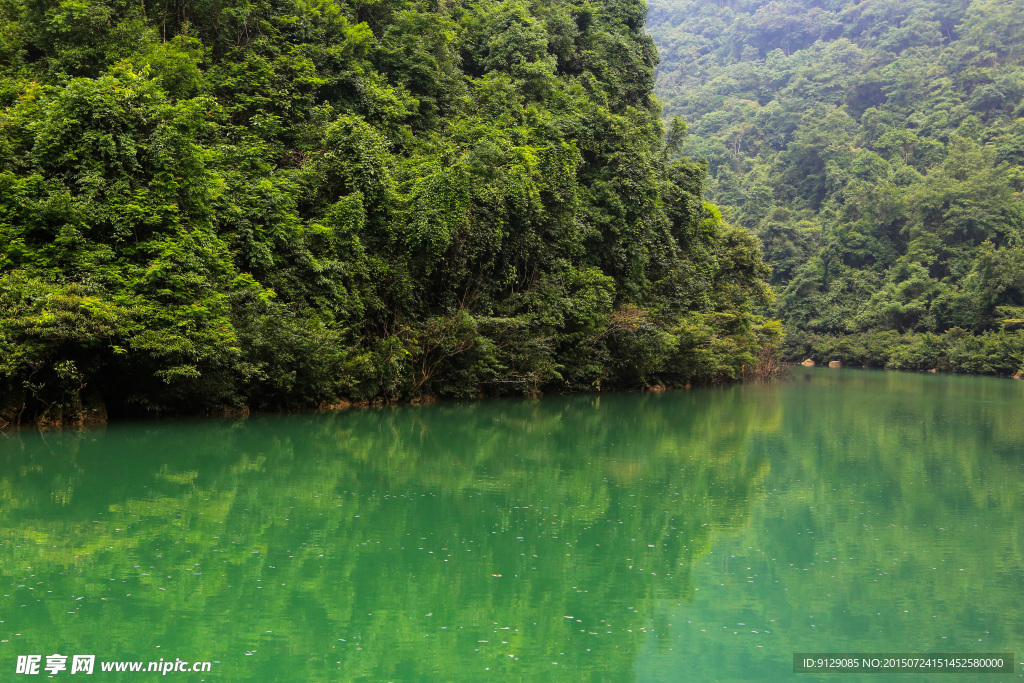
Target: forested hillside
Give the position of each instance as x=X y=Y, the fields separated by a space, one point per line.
x=877 y=148
x=280 y=203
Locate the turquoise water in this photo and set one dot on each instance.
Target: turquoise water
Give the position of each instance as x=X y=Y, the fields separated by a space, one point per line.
x=702 y=535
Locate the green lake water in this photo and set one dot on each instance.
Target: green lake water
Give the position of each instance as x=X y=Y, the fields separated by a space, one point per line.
x=697 y=535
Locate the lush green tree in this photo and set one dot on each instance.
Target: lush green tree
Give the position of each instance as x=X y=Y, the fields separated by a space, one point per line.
x=279 y=203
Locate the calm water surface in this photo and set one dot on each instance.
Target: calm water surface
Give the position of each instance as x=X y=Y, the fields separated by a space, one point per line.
x=701 y=535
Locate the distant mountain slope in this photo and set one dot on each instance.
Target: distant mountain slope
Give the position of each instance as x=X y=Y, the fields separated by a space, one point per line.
x=877 y=148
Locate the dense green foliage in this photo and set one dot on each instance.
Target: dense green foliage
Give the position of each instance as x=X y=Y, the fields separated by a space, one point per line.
x=285 y=202
x=877 y=148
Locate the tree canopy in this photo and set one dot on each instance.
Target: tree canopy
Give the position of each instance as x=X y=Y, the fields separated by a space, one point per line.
x=877 y=149
x=283 y=203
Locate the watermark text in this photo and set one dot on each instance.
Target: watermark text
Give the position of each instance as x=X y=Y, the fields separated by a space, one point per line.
x=87 y=664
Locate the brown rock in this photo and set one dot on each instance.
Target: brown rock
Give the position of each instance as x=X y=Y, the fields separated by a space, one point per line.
x=340 y=405
x=808 y=363
x=94 y=410
x=835 y=364
x=234 y=411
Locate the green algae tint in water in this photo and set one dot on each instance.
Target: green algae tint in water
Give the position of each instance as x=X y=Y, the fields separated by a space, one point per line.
x=702 y=535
